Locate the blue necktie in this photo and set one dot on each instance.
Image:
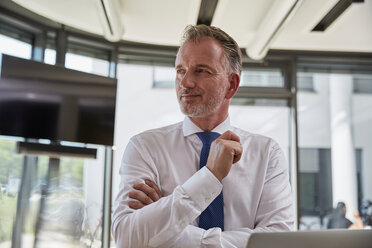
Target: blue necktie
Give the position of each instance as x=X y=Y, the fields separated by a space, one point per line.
x=212 y=216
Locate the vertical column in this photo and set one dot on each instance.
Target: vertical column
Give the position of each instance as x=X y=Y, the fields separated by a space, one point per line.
x=107 y=197
x=39 y=44
x=344 y=174
x=29 y=174
x=61 y=46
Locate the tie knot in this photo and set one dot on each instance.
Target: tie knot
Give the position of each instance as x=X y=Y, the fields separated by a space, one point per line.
x=208 y=137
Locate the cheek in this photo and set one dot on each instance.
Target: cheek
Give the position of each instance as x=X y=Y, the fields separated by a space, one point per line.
x=177 y=86
x=177 y=81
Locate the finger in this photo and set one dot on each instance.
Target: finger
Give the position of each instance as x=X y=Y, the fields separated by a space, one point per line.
x=141 y=197
x=238 y=151
x=229 y=135
x=234 y=147
x=150 y=192
x=155 y=187
x=238 y=154
x=135 y=205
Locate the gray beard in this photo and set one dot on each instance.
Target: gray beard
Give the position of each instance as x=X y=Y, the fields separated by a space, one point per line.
x=201 y=110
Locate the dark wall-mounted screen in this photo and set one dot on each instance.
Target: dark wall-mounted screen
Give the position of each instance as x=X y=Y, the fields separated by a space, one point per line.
x=44 y=101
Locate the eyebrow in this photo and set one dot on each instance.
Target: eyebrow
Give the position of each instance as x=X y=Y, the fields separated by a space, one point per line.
x=206 y=66
x=198 y=65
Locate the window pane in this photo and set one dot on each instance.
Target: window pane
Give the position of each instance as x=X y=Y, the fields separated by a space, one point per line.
x=305 y=81
x=87 y=64
x=50 y=56
x=61 y=204
x=262 y=78
x=362 y=83
x=335 y=146
x=163 y=77
x=10 y=178
x=72 y=209
x=15 y=47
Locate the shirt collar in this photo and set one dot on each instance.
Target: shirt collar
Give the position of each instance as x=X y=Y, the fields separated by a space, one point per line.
x=190 y=128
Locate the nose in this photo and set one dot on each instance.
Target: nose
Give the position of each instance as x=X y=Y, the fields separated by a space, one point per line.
x=186 y=81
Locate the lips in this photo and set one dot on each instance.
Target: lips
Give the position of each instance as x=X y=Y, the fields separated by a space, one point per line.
x=189 y=94
x=188 y=97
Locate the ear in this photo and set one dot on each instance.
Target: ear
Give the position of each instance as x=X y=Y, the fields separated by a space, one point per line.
x=234 y=81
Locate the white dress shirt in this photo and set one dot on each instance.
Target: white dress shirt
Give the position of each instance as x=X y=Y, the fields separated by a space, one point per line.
x=256 y=192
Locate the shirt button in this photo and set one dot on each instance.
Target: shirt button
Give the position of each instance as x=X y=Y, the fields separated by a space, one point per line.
x=207 y=199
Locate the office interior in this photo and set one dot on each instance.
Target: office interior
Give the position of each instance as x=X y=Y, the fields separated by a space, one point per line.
x=306 y=82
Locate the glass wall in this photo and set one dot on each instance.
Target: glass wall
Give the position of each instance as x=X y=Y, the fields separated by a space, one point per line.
x=70 y=207
x=59 y=201
x=47 y=201
x=10 y=179
x=335 y=150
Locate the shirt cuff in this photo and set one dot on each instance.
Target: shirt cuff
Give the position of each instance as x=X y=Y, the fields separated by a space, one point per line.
x=203 y=187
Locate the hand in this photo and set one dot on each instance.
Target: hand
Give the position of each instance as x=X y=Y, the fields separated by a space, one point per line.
x=225 y=151
x=359 y=224
x=147 y=194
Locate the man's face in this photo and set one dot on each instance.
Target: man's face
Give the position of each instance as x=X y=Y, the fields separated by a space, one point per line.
x=201 y=78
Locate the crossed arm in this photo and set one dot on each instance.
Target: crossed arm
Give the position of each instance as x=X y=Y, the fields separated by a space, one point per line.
x=146 y=194
x=225 y=152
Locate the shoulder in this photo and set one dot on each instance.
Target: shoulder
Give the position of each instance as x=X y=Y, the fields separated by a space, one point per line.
x=158 y=134
x=250 y=138
x=262 y=146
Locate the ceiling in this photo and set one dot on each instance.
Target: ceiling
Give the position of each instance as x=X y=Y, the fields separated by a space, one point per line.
x=257 y=25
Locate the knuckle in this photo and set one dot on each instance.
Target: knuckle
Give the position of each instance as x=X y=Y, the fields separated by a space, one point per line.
x=148 y=200
x=138 y=187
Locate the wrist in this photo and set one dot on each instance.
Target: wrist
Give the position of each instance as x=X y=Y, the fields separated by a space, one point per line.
x=218 y=175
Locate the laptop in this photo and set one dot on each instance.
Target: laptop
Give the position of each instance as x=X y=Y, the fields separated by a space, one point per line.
x=340 y=238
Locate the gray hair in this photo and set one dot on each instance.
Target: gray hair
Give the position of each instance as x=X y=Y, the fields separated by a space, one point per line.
x=232 y=53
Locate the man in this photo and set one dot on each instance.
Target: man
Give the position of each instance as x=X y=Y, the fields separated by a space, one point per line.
x=338 y=219
x=166 y=192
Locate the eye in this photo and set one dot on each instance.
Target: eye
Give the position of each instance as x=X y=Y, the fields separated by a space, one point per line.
x=202 y=70
x=180 y=71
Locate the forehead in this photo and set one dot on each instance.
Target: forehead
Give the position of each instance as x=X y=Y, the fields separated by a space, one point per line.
x=204 y=51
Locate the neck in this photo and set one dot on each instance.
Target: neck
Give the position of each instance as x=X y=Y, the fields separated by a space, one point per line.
x=208 y=123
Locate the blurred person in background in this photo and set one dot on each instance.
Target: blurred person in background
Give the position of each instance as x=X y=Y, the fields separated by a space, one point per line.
x=338 y=219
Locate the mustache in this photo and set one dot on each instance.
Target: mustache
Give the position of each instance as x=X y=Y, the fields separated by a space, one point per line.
x=190 y=91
